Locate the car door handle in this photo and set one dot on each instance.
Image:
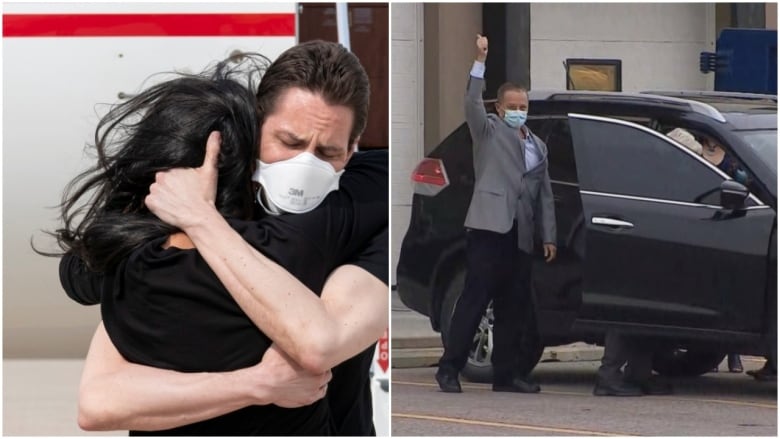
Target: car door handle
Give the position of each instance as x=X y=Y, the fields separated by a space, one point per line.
x=611 y=222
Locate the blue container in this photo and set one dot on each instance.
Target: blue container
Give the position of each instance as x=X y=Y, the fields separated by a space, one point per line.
x=747 y=61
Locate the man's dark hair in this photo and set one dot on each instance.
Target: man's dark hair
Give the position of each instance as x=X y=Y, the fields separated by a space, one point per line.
x=322 y=67
x=165 y=126
x=509 y=86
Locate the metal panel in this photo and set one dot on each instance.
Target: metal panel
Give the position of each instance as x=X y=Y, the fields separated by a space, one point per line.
x=55 y=90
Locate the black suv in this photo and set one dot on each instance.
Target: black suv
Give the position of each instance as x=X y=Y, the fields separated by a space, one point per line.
x=652 y=238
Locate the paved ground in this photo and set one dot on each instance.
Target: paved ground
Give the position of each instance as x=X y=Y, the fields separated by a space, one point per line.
x=40 y=399
x=415 y=344
x=716 y=404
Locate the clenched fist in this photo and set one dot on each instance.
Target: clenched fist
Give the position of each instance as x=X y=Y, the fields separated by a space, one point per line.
x=482 y=48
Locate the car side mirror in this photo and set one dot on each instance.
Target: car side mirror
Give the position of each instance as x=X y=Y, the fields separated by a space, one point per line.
x=733 y=194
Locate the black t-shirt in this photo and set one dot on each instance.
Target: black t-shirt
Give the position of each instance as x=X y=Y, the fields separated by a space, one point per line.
x=166 y=308
x=349 y=392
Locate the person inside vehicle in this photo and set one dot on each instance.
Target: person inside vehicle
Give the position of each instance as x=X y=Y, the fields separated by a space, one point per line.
x=222 y=105
x=717 y=156
x=685 y=138
x=714 y=153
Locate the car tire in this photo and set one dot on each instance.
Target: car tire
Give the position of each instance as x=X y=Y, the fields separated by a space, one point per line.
x=479 y=368
x=685 y=363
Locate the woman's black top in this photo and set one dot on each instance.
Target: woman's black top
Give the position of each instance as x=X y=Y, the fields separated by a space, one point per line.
x=166 y=308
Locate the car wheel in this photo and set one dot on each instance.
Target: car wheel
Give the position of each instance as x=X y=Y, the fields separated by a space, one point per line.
x=479 y=368
x=685 y=363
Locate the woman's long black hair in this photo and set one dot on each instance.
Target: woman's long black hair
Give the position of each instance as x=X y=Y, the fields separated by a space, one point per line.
x=165 y=126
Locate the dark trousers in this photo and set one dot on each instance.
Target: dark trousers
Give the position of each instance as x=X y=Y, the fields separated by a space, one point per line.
x=497 y=270
x=620 y=349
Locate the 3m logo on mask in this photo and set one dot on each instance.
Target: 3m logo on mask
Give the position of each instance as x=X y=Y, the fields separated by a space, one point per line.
x=285 y=182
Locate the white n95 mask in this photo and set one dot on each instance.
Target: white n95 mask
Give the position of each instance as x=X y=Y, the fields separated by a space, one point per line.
x=295 y=185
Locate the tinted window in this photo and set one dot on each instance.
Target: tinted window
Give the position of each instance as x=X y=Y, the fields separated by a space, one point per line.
x=555 y=133
x=539 y=126
x=562 y=166
x=626 y=160
x=765 y=144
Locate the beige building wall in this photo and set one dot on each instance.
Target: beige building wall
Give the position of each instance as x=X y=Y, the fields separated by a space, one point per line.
x=406 y=115
x=658 y=43
x=771 y=16
x=450 y=33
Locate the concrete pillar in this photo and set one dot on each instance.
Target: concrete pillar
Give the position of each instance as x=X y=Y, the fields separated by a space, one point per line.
x=508 y=26
x=450 y=35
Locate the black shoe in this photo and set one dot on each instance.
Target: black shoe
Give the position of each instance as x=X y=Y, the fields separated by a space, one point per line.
x=763 y=374
x=517 y=385
x=735 y=364
x=654 y=386
x=620 y=388
x=448 y=382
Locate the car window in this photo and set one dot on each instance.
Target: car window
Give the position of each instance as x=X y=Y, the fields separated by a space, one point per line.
x=626 y=160
x=764 y=142
x=562 y=166
x=555 y=133
x=539 y=126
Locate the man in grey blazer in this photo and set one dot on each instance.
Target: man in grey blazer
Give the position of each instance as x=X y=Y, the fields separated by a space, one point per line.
x=512 y=194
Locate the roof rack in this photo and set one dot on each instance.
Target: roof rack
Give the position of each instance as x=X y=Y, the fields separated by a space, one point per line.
x=628 y=97
x=715 y=94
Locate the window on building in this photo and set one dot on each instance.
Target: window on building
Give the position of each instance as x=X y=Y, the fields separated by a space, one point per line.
x=594 y=74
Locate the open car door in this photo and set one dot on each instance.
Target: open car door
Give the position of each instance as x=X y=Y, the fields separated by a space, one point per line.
x=661 y=251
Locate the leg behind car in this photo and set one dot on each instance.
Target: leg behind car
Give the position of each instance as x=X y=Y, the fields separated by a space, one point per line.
x=639 y=370
x=766 y=373
x=511 y=303
x=609 y=378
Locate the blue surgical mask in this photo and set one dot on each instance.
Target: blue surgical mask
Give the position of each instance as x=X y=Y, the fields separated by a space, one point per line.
x=515 y=118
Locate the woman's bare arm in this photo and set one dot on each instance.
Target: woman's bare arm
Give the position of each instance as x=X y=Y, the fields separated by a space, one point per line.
x=118 y=395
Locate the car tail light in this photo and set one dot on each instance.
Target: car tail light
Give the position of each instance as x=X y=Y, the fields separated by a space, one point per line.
x=430 y=177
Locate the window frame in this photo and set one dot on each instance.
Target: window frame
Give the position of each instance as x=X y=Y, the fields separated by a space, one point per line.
x=617 y=64
x=751 y=202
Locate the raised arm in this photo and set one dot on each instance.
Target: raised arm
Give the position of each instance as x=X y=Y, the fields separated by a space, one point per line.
x=476 y=116
x=117 y=395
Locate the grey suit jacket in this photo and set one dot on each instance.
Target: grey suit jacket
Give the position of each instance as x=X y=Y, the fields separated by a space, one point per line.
x=504 y=190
